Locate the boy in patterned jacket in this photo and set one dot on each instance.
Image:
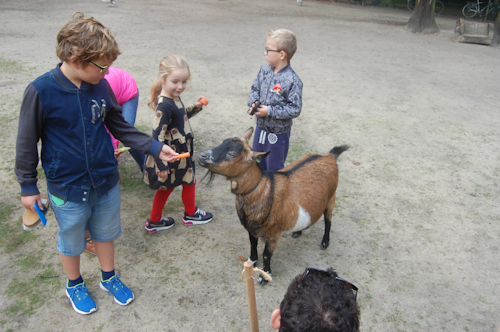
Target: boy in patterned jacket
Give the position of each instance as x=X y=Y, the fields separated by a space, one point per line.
x=277 y=91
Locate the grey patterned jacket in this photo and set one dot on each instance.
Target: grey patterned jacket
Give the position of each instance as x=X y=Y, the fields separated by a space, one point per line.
x=282 y=93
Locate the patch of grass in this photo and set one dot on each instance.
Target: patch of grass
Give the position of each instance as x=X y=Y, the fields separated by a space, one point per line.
x=174 y=204
x=11 y=237
x=29 y=262
x=130 y=179
x=396 y=317
x=32 y=293
x=144 y=129
x=5 y=211
x=296 y=150
x=9 y=66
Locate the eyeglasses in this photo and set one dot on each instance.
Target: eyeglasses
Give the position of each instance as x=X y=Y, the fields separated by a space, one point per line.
x=327 y=274
x=266 y=50
x=103 y=68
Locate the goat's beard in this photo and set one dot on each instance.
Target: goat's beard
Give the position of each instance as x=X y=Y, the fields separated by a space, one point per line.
x=210 y=176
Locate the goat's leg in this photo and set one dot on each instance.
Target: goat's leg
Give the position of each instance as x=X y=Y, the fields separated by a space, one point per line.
x=267 y=265
x=268 y=254
x=326 y=237
x=328 y=223
x=254 y=256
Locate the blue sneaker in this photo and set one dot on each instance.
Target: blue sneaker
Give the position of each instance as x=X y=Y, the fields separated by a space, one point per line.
x=122 y=294
x=80 y=299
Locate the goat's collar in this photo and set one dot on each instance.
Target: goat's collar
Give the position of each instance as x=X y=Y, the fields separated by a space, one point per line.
x=245 y=194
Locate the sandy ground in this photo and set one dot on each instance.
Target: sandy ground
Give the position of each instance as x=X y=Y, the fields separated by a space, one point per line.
x=416 y=226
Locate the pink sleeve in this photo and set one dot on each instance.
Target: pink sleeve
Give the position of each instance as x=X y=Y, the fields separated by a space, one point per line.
x=122 y=84
x=114 y=141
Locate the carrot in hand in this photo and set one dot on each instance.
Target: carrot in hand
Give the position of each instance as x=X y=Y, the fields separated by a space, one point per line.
x=183 y=155
x=204 y=101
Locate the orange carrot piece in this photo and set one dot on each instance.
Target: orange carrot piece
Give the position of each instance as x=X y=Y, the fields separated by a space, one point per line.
x=204 y=101
x=183 y=155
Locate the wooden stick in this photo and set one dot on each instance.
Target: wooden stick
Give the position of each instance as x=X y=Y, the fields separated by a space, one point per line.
x=252 y=305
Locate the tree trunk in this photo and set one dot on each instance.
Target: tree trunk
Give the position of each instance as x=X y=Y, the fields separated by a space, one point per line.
x=422 y=19
x=495 y=42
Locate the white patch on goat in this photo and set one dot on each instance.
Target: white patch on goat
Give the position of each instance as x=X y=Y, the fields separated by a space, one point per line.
x=303 y=221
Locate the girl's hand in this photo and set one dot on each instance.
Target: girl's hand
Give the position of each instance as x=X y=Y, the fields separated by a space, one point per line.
x=163 y=174
x=118 y=153
x=200 y=101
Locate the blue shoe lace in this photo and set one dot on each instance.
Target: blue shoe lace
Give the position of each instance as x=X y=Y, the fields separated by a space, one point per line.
x=114 y=286
x=80 y=299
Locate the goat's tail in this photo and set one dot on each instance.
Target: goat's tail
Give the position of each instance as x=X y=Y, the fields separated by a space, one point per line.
x=336 y=151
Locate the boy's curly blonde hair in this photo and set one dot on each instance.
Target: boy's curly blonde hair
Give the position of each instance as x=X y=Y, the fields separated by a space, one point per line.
x=285 y=40
x=87 y=39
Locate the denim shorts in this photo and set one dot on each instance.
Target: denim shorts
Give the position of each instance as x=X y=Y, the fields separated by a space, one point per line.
x=100 y=215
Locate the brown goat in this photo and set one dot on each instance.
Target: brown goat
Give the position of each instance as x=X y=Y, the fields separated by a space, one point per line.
x=269 y=203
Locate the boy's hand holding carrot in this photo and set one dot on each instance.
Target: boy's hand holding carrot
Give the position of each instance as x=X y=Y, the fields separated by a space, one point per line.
x=167 y=154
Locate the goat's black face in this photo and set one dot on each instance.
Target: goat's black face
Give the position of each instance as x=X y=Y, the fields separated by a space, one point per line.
x=229 y=149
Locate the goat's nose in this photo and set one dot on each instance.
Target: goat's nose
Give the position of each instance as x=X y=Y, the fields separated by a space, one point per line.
x=205 y=157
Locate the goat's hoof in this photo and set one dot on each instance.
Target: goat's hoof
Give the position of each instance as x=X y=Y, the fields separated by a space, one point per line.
x=254 y=262
x=296 y=234
x=324 y=245
x=261 y=280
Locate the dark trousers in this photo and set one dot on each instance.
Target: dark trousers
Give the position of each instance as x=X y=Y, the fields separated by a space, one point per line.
x=276 y=143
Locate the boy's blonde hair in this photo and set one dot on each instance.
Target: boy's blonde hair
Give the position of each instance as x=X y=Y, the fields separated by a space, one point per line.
x=167 y=65
x=87 y=39
x=285 y=40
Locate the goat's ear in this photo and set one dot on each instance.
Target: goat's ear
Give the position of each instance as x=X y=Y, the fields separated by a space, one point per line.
x=258 y=156
x=247 y=134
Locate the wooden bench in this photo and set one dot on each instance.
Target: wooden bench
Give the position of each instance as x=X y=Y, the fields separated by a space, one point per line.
x=474 y=32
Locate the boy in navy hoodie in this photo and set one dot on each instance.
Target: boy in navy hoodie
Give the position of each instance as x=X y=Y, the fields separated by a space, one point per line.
x=68 y=109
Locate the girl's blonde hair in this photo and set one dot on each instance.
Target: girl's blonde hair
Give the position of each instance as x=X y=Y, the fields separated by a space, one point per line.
x=167 y=65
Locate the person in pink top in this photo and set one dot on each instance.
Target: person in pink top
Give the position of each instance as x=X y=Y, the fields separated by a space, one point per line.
x=127 y=95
